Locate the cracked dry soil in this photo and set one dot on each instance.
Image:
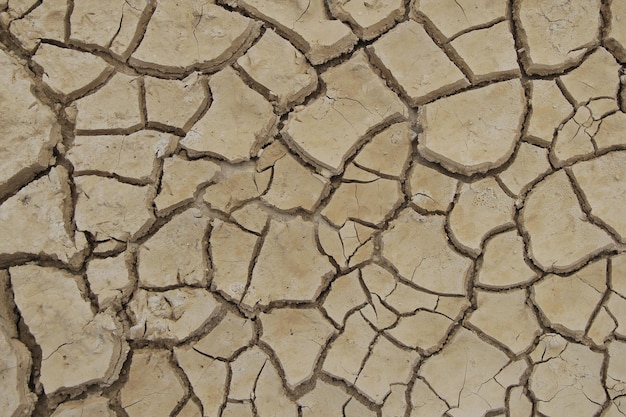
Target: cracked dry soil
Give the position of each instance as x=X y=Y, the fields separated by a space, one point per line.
x=267 y=208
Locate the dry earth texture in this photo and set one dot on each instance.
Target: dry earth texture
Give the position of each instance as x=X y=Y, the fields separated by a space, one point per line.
x=351 y=208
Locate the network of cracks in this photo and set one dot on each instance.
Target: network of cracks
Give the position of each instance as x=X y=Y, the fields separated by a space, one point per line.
x=313 y=208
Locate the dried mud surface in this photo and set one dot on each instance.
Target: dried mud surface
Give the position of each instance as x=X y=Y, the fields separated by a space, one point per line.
x=308 y=208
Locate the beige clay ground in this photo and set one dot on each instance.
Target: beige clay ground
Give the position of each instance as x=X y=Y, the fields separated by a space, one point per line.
x=340 y=208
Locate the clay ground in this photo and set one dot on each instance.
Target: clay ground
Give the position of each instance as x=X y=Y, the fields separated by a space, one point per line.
x=350 y=208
